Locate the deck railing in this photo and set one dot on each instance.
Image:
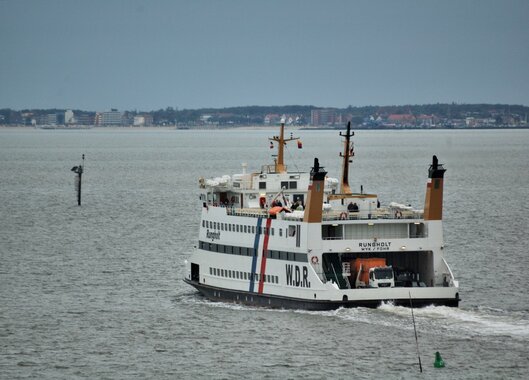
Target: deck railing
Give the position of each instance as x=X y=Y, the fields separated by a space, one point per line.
x=381 y=213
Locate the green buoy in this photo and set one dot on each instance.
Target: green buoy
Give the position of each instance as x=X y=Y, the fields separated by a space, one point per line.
x=439 y=362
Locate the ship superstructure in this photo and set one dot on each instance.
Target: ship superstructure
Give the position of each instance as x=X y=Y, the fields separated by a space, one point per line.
x=303 y=240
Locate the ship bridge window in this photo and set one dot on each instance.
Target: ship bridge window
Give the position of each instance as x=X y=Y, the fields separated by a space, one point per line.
x=289 y=185
x=332 y=231
x=299 y=198
x=418 y=230
x=262 y=185
x=376 y=230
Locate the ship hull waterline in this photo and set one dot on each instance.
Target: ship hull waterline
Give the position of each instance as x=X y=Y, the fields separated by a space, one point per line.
x=217 y=294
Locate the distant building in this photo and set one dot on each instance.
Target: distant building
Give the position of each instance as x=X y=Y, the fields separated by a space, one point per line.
x=404 y=119
x=272 y=119
x=51 y=119
x=69 y=117
x=427 y=120
x=205 y=118
x=142 y=120
x=112 y=117
x=323 y=116
x=85 y=119
x=27 y=118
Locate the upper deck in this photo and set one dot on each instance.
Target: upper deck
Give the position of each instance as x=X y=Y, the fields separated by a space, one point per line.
x=330 y=215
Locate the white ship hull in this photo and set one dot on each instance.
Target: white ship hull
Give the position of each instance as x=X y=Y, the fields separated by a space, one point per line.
x=252 y=251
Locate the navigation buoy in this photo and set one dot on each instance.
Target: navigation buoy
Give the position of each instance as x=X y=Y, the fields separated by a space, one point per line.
x=439 y=362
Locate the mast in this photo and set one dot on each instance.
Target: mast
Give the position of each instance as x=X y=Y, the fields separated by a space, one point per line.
x=281 y=142
x=348 y=153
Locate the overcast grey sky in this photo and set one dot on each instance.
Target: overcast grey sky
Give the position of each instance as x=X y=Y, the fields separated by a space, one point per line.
x=152 y=54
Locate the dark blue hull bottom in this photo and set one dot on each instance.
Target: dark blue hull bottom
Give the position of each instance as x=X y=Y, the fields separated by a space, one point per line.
x=278 y=302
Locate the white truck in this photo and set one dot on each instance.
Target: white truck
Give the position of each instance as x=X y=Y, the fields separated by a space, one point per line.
x=373 y=273
x=381 y=277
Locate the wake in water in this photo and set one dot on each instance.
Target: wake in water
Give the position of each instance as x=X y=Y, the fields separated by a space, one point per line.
x=481 y=321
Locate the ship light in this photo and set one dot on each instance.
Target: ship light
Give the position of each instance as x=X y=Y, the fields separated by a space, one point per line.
x=335 y=225
x=403 y=247
x=347 y=249
x=370 y=224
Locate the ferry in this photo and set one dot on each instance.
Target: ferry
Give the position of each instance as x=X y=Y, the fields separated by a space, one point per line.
x=303 y=240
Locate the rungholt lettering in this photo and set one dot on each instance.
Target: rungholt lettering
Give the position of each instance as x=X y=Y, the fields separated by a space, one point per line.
x=378 y=244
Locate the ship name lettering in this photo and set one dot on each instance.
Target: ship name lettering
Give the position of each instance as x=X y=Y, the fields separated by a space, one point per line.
x=375 y=246
x=297 y=277
x=212 y=235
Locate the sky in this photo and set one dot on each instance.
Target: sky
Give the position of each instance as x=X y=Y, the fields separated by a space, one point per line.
x=151 y=54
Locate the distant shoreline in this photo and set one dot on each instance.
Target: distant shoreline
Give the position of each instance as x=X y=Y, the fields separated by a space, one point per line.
x=251 y=127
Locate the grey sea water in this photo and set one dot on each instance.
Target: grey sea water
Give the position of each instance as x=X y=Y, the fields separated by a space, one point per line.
x=96 y=291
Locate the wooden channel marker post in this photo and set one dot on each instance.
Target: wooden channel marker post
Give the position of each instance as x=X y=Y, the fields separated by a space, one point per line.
x=79 y=171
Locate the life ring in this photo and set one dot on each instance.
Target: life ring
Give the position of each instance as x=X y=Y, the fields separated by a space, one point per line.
x=314 y=260
x=343 y=216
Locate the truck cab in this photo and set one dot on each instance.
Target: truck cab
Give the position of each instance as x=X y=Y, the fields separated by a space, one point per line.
x=381 y=277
